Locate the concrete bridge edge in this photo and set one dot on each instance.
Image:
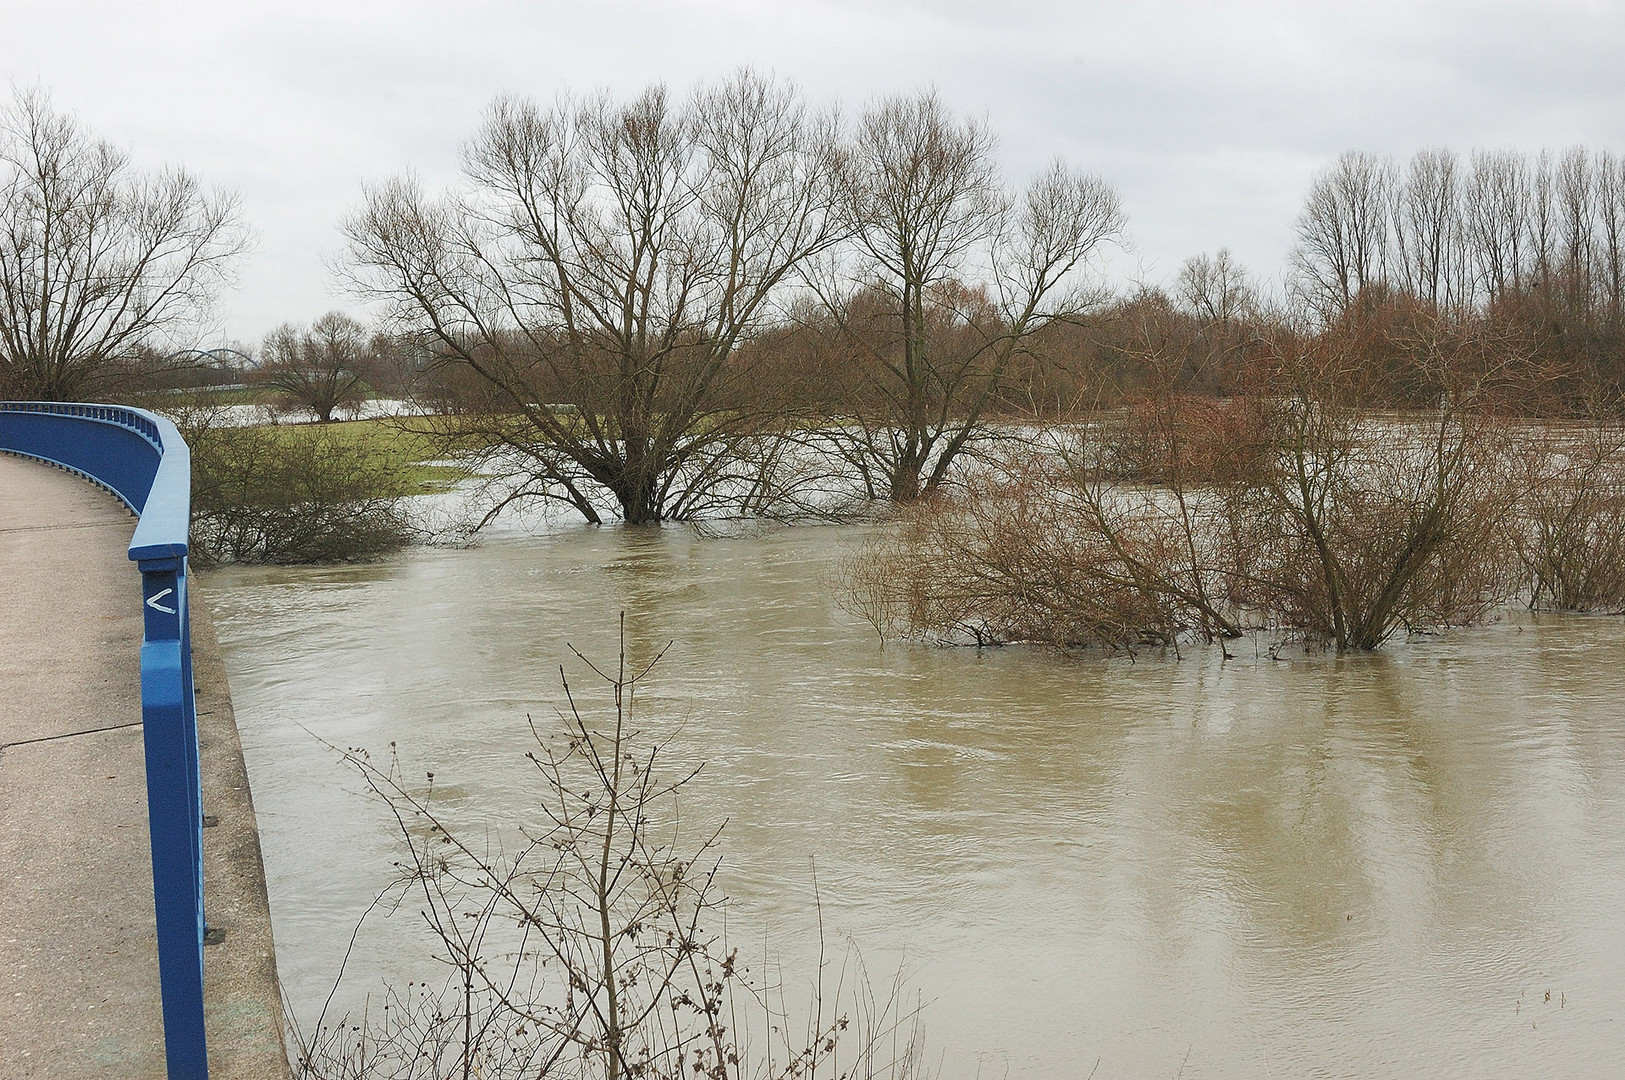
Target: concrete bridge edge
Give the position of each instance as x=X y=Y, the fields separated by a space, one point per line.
x=243 y=1007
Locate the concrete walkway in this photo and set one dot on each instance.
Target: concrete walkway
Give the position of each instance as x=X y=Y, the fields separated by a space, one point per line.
x=79 y=993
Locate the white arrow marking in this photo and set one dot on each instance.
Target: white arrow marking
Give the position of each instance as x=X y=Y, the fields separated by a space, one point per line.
x=152 y=602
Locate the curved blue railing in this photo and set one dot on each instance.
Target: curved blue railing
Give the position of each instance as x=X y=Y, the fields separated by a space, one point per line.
x=142 y=459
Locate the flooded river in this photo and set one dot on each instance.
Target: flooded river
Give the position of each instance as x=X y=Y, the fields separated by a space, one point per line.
x=1403 y=865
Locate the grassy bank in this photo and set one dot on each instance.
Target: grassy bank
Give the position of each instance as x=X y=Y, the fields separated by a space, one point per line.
x=385 y=446
x=303 y=493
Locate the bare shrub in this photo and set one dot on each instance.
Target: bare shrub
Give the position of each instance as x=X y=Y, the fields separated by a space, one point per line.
x=1573 y=546
x=1299 y=515
x=290 y=494
x=1184 y=439
x=1042 y=550
x=1369 y=526
x=588 y=945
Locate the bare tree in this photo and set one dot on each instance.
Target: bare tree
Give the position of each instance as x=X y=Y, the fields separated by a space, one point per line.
x=321 y=367
x=1541 y=224
x=1216 y=289
x=1427 y=230
x=597 y=273
x=1610 y=252
x=98 y=261
x=1574 y=192
x=1496 y=203
x=951 y=277
x=1343 y=231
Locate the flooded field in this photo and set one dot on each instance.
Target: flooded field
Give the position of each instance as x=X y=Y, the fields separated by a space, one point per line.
x=1410 y=864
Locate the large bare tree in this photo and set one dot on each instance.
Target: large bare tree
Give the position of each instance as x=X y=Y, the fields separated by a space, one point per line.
x=100 y=264
x=950 y=276
x=1343 y=231
x=596 y=274
x=321 y=367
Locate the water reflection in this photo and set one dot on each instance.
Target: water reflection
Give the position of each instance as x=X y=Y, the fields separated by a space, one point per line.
x=1357 y=866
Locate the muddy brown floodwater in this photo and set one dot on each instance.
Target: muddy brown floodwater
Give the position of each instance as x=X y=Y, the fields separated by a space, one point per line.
x=1403 y=865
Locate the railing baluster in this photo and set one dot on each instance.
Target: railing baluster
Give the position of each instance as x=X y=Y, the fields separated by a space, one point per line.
x=170 y=732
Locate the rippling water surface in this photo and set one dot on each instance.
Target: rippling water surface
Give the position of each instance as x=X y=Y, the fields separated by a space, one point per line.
x=1407 y=865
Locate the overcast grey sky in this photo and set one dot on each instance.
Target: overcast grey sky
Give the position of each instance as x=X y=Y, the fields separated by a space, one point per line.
x=1209 y=117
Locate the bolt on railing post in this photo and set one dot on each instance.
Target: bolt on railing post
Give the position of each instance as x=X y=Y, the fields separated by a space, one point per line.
x=169 y=718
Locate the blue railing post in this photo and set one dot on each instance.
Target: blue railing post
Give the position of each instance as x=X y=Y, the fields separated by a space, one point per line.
x=175 y=810
x=142 y=459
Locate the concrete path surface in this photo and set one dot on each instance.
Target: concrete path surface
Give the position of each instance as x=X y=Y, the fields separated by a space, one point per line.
x=79 y=992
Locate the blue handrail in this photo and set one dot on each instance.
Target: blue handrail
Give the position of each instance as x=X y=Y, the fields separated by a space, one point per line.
x=142 y=459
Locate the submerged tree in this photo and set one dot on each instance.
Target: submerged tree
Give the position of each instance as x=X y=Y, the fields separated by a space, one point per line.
x=596 y=275
x=99 y=262
x=951 y=277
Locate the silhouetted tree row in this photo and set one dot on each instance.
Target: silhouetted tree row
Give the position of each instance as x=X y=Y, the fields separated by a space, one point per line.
x=1466 y=235
x=1532 y=245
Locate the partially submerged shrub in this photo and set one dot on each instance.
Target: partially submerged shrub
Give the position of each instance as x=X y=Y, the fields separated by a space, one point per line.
x=1363 y=528
x=1002 y=563
x=1574 y=542
x=291 y=494
x=1346 y=531
x=1039 y=552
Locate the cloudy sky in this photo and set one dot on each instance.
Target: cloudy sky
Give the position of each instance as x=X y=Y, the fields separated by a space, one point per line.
x=1209 y=117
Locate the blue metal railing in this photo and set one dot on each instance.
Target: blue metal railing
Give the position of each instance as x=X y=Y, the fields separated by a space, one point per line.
x=141 y=458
